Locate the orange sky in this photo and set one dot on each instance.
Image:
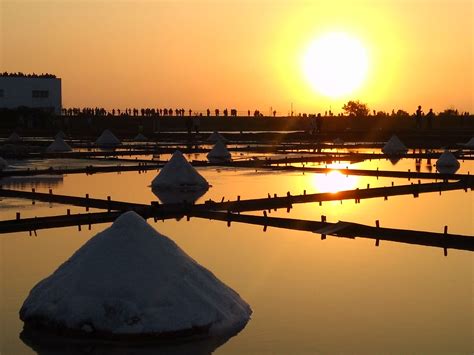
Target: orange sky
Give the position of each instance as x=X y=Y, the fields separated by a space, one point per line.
x=244 y=54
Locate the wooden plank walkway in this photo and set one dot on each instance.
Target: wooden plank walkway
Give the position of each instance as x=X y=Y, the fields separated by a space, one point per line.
x=349 y=230
x=339 y=229
x=267 y=203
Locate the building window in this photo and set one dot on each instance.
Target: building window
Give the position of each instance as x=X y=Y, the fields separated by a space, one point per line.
x=42 y=94
x=2 y=93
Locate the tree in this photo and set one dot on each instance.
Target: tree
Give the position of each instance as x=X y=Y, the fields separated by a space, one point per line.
x=356 y=109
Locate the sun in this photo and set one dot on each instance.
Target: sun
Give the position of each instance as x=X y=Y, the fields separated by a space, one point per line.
x=335 y=64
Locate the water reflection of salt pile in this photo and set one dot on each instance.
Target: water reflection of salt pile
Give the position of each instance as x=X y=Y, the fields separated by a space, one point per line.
x=129 y=282
x=447 y=163
x=394 y=146
x=219 y=153
x=107 y=140
x=59 y=145
x=47 y=344
x=176 y=196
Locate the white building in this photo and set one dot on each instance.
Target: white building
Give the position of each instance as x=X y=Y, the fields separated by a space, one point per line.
x=42 y=92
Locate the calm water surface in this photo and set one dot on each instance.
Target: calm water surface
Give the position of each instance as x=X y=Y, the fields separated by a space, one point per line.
x=308 y=295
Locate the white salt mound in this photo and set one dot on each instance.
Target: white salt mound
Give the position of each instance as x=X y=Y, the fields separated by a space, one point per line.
x=470 y=144
x=131 y=280
x=107 y=139
x=178 y=174
x=3 y=164
x=219 y=153
x=394 y=146
x=59 y=145
x=447 y=159
x=14 y=137
x=140 y=138
x=61 y=135
x=216 y=136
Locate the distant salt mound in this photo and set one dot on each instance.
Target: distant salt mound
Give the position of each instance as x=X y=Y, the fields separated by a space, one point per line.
x=394 y=146
x=178 y=174
x=59 y=145
x=216 y=136
x=338 y=141
x=470 y=144
x=219 y=153
x=140 y=138
x=130 y=282
x=447 y=160
x=3 y=164
x=61 y=135
x=14 y=138
x=107 y=140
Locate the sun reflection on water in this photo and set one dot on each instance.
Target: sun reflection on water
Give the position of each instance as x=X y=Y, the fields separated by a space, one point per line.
x=334 y=182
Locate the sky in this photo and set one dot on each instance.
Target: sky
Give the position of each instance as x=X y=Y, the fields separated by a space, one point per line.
x=199 y=54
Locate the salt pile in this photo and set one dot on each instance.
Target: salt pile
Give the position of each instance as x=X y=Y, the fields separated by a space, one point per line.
x=140 y=138
x=447 y=159
x=14 y=138
x=394 y=146
x=470 y=144
x=219 y=153
x=215 y=137
x=178 y=174
x=61 y=135
x=107 y=139
x=130 y=282
x=338 y=141
x=59 y=145
x=3 y=164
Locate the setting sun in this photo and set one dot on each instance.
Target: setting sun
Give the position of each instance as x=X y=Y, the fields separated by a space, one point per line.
x=335 y=64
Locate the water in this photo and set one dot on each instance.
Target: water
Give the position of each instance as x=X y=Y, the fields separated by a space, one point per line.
x=308 y=295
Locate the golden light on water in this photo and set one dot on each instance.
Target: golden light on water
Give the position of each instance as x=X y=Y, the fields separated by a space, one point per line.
x=336 y=64
x=334 y=182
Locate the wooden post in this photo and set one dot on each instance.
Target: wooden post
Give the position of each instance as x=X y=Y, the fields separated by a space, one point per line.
x=18 y=216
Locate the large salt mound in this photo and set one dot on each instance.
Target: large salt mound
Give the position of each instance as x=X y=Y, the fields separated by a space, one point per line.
x=178 y=174
x=107 y=139
x=219 y=153
x=394 y=146
x=447 y=159
x=470 y=144
x=59 y=145
x=140 y=138
x=3 y=164
x=129 y=281
x=14 y=138
x=216 y=136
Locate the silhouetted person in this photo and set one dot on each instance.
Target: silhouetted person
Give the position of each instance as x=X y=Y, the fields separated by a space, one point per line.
x=419 y=114
x=196 y=124
x=319 y=123
x=189 y=125
x=429 y=118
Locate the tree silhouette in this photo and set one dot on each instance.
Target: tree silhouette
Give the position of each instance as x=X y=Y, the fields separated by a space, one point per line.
x=356 y=109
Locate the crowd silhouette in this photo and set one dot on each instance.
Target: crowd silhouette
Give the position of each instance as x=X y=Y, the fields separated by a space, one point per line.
x=22 y=75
